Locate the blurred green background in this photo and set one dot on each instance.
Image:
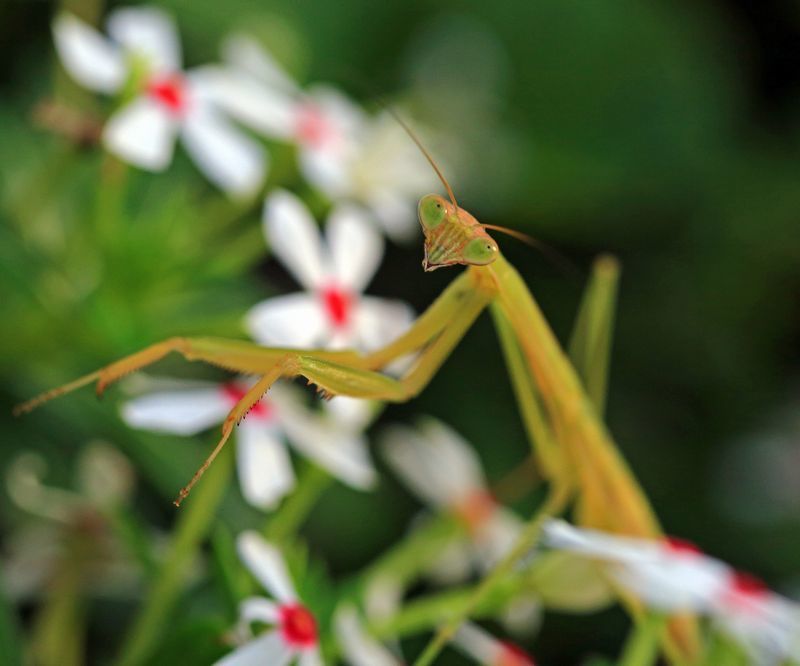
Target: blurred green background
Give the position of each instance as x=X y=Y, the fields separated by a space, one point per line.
x=667 y=133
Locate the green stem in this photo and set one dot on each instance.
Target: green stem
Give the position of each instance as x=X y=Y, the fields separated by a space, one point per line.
x=10 y=633
x=554 y=504
x=110 y=198
x=313 y=482
x=193 y=525
x=59 y=630
x=422 y=614
x=642 y=646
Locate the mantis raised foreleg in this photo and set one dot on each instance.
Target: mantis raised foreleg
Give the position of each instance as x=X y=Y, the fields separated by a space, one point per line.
x=575 y=450
x=610 y=497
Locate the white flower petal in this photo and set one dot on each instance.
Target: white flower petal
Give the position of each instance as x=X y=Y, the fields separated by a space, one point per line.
x=523 y=616
x=454 y=455
x=269 y=648
x=296 y=320
x=245 y=53
x=89 y=57
x=294 y=238
x=358 y=648
x=346 y=456
x=330 y=171
x=267 y=111
x=379 y=321
x=597 y=544
x=259 y=609
x=310 y=657
x=147 y=32
x=228 y=157
x=406 y=453
x=265 y=471
x=479 y=644
x=383 y=596
x=266 y=564
x=184 y=412
x=396 y=213
x=347 y=119
x=768 y=627
x=142 y=133
x=496 y=536
x=351 y=414
x=356 y=247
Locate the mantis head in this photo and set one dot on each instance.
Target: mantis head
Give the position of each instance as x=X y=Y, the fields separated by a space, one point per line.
x=452 y=235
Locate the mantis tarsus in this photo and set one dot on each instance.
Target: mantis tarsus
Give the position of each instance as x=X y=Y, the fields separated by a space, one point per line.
x=574 y=449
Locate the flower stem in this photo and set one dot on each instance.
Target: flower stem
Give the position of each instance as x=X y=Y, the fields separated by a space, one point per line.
x=194 y=523
x=313 y=482
x=642 y=646
x=552 y=505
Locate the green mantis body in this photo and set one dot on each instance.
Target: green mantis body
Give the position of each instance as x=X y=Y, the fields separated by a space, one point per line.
x=574 y=449
x=553 y=401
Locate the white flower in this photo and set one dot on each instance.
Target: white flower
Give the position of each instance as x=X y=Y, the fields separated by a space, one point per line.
x=293 y=633
x=444 y=471
x=144 y=52
x=668 y=575
x=70 y=519
x=358 y=647
x=485 y=649
x=332 y=312
x=672 y=576
x=333 y=440
x=343 y=152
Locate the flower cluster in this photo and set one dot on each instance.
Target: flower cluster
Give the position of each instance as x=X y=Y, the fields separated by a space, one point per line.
x=342 y=151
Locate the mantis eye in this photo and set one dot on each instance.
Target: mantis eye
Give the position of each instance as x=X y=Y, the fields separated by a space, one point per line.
x=480 y=251
x=431 y=210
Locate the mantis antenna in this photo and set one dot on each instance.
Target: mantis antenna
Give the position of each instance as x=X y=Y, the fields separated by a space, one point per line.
x=549 y=252
x=424 y=151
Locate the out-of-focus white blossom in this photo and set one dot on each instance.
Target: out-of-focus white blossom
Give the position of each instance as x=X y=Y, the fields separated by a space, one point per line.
x=673 y=576
x=444 y=471
x=141 y=61
x=37 y=552
x=342 y=151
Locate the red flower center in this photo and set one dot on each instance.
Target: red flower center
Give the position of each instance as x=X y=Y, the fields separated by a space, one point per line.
x=512 y=655
x=475 y=509
x=298 y=626
x=681 y=546
x=338 y=306
x=745 y=590
x=169 y=90
x=234 y=392
x=312 y=127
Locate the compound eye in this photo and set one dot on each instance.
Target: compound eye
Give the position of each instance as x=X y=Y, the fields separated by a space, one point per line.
x=480 y=251
x=432 y=210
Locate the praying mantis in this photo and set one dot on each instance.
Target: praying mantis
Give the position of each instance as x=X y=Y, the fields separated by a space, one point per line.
x=574 y=449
